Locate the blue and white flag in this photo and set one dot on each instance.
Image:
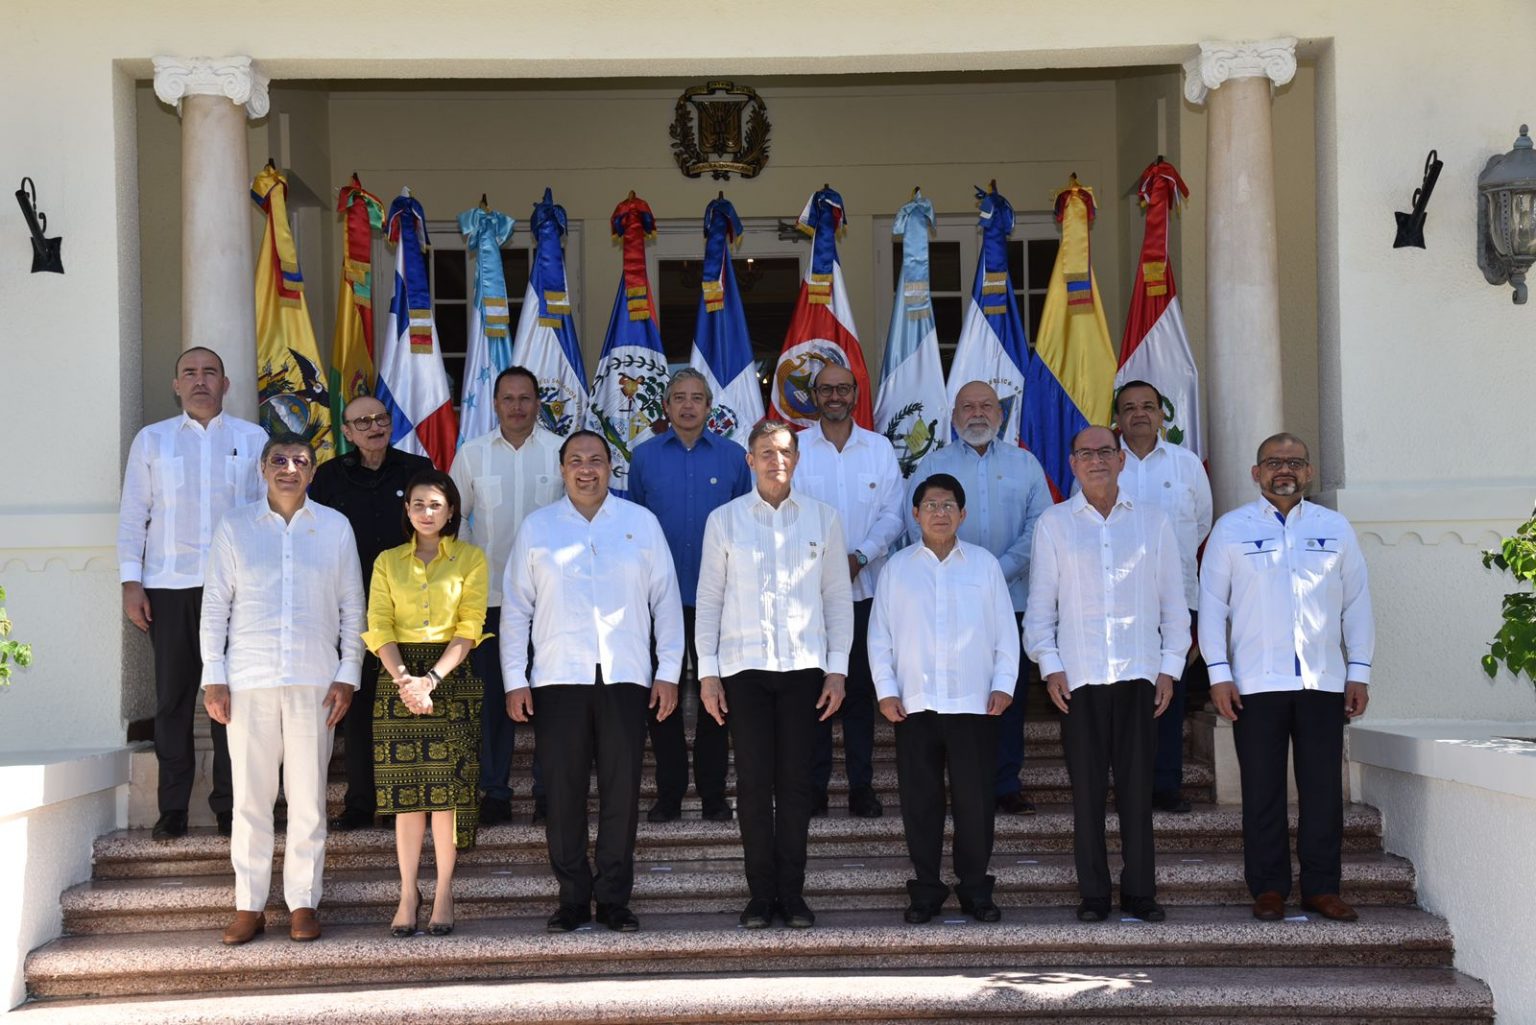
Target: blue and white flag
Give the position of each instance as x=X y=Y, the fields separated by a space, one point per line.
x=994 y=344
x=489 y=350
x=722 y=349
x=627 y=404
x=546 y=333
x=913 y=408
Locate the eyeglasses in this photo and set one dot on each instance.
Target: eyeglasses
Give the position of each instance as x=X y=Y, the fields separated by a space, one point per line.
x=362 y=423
x=842 y=391
x=282 y=462
x=1275 y=465
x=1088 y=455
x=936 y=507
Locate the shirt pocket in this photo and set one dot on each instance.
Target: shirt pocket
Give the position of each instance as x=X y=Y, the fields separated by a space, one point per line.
x=240 y=475
x=547 y=488
x=170 y=474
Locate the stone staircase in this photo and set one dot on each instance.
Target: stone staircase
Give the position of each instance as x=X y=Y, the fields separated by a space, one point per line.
x=141 y=939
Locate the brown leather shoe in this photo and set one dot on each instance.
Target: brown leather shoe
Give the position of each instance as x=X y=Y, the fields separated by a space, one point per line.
x=246 y=927
x=1330 y=906
x=303 y=925
x=1269 y=906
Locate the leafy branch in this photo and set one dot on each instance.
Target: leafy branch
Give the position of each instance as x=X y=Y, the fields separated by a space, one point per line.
x=1514 y=646
x=12 y=653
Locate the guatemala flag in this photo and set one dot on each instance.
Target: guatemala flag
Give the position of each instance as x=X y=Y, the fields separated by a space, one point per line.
x=821 y=330
x=412 y=382
x=489 y=351
x=627 y=394
x=546 y=334
x=994 y=344
x=913 y=409
x=722 y=349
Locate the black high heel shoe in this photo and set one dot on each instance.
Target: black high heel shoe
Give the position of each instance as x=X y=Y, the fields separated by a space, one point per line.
x=439 y=928
x=405 y=932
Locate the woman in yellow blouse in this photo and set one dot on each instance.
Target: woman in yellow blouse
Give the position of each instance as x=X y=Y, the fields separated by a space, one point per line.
x=426 y=609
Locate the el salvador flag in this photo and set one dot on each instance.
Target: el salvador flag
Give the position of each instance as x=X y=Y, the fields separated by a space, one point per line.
x=994 y=345
x=546 y=333
x=722 y=349
x=489 y=350
x=913 y=409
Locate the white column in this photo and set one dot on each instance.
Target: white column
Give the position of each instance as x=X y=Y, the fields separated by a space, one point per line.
x=215 y=96
x=1243 y=340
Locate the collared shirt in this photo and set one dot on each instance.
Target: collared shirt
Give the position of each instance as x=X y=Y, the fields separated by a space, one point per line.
x=942 y=634
x=281 y=599
x=863 y=483
x=1172 y=479
x=373 y=501
x=1005 y=493
x=591 y=591
x=499 y=486
x=682 y=486
x=180 y=480
x=427 y=603
x=1284 y=602
x=1106 y=594
x=773 y=588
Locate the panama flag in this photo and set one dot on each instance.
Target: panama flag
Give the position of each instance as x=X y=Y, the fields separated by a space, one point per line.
x=913 y=409
x=352 y=373
x=1071 y=379
x=821 y=330
x=412 y=382
x=1155 y=348
x=631 y=381
x=489 y=349
x=722 y=349
x=994 y=345
x=546 y=333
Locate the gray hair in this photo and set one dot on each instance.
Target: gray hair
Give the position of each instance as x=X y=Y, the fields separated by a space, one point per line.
x=765 y=427
x=690 y=374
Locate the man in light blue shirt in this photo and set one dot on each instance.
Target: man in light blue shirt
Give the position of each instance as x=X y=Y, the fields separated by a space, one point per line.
x=1006 y=493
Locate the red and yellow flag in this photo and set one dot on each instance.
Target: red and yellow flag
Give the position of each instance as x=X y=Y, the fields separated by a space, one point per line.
x=352 y=373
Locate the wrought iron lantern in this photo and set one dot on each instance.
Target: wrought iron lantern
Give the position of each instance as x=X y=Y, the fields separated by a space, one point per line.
x=1506 y=216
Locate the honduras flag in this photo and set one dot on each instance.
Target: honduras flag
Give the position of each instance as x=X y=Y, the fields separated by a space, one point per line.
x=412 y=382
x=489 y=351
x=546 y=334
x=722 y=349
x=913 y=409
x=994 y=344
x=627 y=394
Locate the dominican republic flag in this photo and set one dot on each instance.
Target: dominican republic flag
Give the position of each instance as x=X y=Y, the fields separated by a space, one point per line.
x=1155 y=348
x=722 y=349
x=489 y=350
x=627 y=394
x=1071 y=379
x=821 y=330
x=412 y=382
x=913 y=409
x=546 y=334
x=994 y=342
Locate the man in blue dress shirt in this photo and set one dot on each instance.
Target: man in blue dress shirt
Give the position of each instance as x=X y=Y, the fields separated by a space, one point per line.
x=681 y=477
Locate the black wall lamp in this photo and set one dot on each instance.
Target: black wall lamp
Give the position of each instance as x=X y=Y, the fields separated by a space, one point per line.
x=45 y=251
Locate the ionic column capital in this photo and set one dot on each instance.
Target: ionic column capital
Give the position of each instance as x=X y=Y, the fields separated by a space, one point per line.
x=239 y=79
x=1216 y=63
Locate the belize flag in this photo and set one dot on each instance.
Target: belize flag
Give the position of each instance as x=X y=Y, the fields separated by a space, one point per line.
x=546 y=334
x=722 y=349
x=412 y=382
x=821 y=330
x=489 y=350
x=627 y=393
x=1155 y=348
x=1071 y=379
x=913 y=409
x=994 y=344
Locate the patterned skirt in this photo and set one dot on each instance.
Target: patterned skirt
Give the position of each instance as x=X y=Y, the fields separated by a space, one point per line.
x=424 y=763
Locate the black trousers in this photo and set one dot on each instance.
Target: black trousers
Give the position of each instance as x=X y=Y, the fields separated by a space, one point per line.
x=575 y=726
x=669 y=742
x=357 y=730
x=772 y=717
x=178 y=677
x=1010 y=736
x=857 y=714
x=926 y=744
x=1112 y=726
x=1168 y=772
x=1266 y=728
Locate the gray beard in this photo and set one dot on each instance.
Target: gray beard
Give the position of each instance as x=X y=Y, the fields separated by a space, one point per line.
x=977 y=435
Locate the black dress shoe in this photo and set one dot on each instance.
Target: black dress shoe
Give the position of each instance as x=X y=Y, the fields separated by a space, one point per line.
x=983 y=911
x=1016 y=804
x=1144 y=908
x=917 y=914
x=350 y=820
x=819 y=805
x=495 y=810
x=1093 y=911
x=717 y=810
x=617 y=917
x=540 y=811
x=796 y=913
x=758 y=914
x=171 y=825
x=567 y=917
x=226 y=823
x=1172 y=802
x=863 y=803
x=665 y=811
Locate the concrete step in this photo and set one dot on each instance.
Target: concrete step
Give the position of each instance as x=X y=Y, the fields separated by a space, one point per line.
x=128 y=854
x=716 y=886
x=144 y=964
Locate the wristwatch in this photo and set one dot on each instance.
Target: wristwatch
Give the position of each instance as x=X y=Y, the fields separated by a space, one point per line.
x=860 y=558
x=435 y=676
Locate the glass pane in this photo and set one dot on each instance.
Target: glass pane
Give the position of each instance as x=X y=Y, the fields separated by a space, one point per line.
x=944 y=267
x=895 y=264
x=948 y=312
x=769 y=287
x=1042 y=257
x=514 y=264
x=1036 y=307
x=677 y=304
x=1016 y=263
x=448 y=273
x=454 y=365
x=452 y=327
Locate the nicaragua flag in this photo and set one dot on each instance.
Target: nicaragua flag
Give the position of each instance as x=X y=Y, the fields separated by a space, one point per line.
x=821 y=330
x=489 y=350
x=994 y=343
x=546 y=333
x=412 y=382
x=627 y=393
x=722 y=349
x=913 y=409
x=1071 y=379
x=1155 y=348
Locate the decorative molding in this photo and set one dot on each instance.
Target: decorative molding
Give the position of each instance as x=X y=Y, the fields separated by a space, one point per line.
x=1217 y=63
x=237 y=78
x=1473 y=514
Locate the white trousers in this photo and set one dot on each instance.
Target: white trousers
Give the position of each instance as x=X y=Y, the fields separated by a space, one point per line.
x=270 y=730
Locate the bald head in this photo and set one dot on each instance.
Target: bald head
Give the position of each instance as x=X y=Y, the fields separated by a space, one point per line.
x=836 y=392
x=363 y=405
x=978 y=413
x=1096 y=463
x=365 y=424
